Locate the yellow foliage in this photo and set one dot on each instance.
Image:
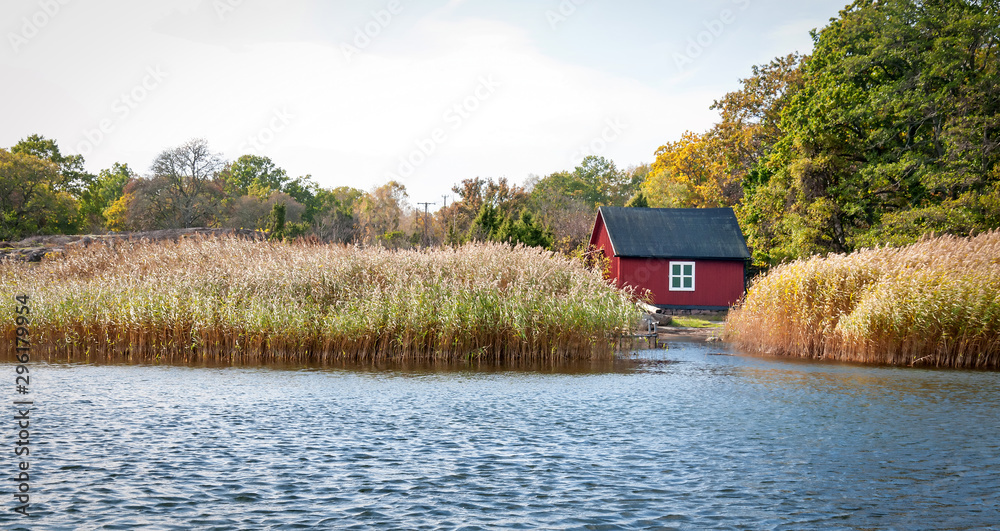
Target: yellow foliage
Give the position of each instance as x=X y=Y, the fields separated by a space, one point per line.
x=688 y=173
x=116 y=213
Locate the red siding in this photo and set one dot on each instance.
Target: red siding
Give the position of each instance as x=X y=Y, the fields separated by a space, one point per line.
x=600 y=239
x=716 y=282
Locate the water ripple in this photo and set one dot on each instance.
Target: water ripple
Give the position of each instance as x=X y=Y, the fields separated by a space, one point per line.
x=683 y=441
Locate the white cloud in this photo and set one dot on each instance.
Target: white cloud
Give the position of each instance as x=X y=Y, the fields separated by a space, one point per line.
x=344 y=122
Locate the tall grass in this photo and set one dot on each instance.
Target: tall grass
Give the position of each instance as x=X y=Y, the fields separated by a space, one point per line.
x=936 y=302
x=227 y=299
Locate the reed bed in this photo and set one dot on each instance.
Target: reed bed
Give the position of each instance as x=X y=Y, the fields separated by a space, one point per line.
x=934 y=303
x=241 y=301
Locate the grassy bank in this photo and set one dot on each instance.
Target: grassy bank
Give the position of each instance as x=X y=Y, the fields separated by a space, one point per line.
x=235 y=300
x=935 y=303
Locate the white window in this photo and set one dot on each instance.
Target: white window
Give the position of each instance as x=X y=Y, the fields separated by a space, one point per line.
x=681 y=276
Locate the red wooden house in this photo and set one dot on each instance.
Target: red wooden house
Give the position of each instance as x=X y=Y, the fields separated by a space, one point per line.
x=689 y=258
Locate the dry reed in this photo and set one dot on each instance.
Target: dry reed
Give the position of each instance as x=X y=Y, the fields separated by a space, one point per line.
x=240 y=301
x=934 y=303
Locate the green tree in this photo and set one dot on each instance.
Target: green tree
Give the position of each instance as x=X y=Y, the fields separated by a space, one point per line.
x=72 y=176
x=253 y=172
x=897 y=114
x=102 y=192
x=603 y=183
x=276 y=223
x=334 y=219
x=472 y=194
x=32 y=200
x=524 y=229
x=595 y=181
x=305 y=192
x=638 y=201
x=486 y=224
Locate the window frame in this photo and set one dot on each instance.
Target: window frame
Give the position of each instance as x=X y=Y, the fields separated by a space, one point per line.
x=682 y=276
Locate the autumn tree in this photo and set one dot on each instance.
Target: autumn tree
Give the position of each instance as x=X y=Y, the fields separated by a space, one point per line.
x=750 y=119
x=749 y=128
x=689 y=173
x=71 y=176
x=457 y=218
x=182 y=191
x=33 y=197
x=381 y=212
x=101 y=193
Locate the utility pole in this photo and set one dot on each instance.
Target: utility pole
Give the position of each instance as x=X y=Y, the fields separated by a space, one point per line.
x=444 y=222
x=425 y=220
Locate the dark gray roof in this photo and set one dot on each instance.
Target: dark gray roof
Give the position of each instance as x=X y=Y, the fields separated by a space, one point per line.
x=675 y=232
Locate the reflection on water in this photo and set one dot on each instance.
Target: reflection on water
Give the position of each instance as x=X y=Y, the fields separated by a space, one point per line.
x=686 y=438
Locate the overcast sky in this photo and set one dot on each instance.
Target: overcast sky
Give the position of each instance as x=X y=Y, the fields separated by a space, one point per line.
x=427 y=92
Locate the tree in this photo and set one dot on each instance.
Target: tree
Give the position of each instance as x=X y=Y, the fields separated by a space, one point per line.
x=638 y=201
x=473 y=193
x=253 y=212
x=595 y=182
x=569 y=218
x=749 y=128
x=116 y=216
x=253 y=172
x=486 y=224
x=603 y=183
x=524 y=229
x=101 y=193
x=72 y=176
x=380 y=212
x=897 y=113
x=183 y=193
x=750 y=119
x=276 y=222
x=32 y=200
x=305 y=192
x=687 y=173
x=334 y=219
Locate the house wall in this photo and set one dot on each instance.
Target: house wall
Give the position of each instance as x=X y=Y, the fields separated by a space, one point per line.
x=716 y=282
x=600 y=240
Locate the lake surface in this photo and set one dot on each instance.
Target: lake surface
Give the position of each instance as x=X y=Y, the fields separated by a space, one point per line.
x=690 y=440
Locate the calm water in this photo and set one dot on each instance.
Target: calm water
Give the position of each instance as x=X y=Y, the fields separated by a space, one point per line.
x=695 y=440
